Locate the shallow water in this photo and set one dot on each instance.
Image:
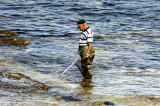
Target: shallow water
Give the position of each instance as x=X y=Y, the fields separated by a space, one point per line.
x=126 y=74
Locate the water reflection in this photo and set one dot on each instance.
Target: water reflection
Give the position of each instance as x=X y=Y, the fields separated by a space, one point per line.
x=86 y=85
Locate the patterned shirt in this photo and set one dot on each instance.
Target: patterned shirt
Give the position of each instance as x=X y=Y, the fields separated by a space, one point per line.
x=86 y=37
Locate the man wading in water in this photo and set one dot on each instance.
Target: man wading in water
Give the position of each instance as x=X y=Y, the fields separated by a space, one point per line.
x=86 y=48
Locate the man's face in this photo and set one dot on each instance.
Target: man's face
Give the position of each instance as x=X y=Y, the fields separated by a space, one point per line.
x=81 y=27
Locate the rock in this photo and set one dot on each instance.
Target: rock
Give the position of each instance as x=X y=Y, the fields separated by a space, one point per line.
x=15 y=41
x=8 y=33
x=108 y=103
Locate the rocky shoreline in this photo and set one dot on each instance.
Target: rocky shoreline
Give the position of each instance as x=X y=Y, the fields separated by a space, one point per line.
x=9 y=38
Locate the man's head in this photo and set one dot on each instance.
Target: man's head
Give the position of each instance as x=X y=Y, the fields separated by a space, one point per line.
x=82 y=24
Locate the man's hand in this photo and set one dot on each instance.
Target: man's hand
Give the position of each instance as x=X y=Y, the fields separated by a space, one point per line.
x=87 y=55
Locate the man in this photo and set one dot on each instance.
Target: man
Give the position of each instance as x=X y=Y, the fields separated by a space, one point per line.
x=86 y=46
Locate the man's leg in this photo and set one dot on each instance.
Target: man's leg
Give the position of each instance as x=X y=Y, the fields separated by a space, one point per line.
x=87 y=63
x=90 y=60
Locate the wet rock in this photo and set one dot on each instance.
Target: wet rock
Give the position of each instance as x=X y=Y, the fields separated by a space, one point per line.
x=15 y=41
x=108 y=103
x=22 y=83
x=8 y=37
x=70 y=98
x=8 y=33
